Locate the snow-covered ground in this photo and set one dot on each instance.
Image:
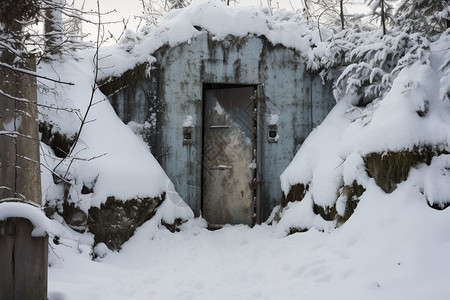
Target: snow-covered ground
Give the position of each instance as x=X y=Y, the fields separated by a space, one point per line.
x=394 y=247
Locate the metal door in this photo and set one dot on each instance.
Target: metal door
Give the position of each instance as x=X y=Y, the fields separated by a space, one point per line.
x=229 y=156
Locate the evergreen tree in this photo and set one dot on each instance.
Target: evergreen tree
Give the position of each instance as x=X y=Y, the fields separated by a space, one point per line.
x=383 y=10
x=429 y=16
x=18 y=12
x=175 y=4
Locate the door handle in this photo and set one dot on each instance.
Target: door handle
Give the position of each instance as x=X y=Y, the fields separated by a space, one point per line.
x=221 y=167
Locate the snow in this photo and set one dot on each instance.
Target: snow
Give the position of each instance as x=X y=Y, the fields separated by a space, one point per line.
x=13 y=124
x=42 y=224
x=219 y=109
x=394 y=246
x=188 y=121
x=318 y=152
x=411 y=115
x=374 y=256
x=26 y=211
x=433 y=180
x=108 y=157
x=395 y=242
x=299 y=215
x=396 y=123
x=219 y=20
x=273 y=119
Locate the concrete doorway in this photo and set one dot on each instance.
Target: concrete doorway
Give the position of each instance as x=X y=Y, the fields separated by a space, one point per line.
x=229 y=154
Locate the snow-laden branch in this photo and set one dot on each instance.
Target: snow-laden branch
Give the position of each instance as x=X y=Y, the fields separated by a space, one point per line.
x=32 y=73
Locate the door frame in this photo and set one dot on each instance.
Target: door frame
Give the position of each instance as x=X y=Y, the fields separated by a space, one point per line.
x=258 y=120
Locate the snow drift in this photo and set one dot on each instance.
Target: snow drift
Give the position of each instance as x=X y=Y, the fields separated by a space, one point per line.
x=407 y=132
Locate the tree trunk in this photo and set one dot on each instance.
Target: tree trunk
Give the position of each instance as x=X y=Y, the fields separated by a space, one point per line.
x=23 y=258
x=341 y=6
x=383 y=17
x=54 y=27
x=306 y=8
x=19 y=138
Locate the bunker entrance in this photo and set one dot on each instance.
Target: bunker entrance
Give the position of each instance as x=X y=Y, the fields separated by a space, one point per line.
x=229 y=154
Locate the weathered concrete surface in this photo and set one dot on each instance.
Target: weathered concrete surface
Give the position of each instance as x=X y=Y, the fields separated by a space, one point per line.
x=177 y=87
x=23 y=261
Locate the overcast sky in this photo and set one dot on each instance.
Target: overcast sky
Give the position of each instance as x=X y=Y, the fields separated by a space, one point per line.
x=130 y=9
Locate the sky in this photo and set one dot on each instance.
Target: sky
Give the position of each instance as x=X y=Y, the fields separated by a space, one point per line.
x=119 y=11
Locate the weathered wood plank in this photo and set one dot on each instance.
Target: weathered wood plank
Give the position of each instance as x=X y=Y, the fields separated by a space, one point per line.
x=23 y=261
x=6 y=263
x=19 y=137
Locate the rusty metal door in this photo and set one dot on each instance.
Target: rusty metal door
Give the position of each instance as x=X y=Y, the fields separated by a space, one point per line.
x=229 y=156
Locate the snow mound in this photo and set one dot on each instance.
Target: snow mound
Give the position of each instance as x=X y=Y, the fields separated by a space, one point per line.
x=331 y=163
x=109 y=158
x=108 y=162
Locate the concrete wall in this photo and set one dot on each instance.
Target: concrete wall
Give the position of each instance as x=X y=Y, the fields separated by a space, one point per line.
x=175 y=91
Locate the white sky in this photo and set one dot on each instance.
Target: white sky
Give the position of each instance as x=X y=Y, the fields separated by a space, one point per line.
x=129 y=9
x=119 y=10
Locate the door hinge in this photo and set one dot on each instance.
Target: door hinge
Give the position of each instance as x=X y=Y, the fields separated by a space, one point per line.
x=254 y=184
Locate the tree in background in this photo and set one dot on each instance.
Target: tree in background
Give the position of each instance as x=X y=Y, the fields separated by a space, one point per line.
x=428 y=16
x=325 y=13
x=15 y=13
x=53 y=25
x=38 y=27
x=154 y=10
x=382 y=10
x=341 y=14
x=175 y=4
x=19 y=150
x=14 y=16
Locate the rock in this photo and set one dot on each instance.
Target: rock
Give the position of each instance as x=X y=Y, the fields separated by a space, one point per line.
x=116 y=220
x=327 y=213
x=439 y=206
x=60 y=143
x=350 y=195
x=74 y=217
x=391 y=168
x=297 y=193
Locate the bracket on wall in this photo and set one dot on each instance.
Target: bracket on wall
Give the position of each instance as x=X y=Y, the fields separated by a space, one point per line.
x=272 y=134
x=187 y=135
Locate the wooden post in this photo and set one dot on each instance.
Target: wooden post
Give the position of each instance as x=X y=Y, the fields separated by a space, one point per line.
x=19 y=137
x=23 y=261
x=23 y=258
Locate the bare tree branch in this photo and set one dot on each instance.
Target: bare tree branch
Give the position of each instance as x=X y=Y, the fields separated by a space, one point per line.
x=32 y=73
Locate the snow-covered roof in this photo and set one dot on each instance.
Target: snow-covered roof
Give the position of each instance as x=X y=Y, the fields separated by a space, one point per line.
x=220 y=21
